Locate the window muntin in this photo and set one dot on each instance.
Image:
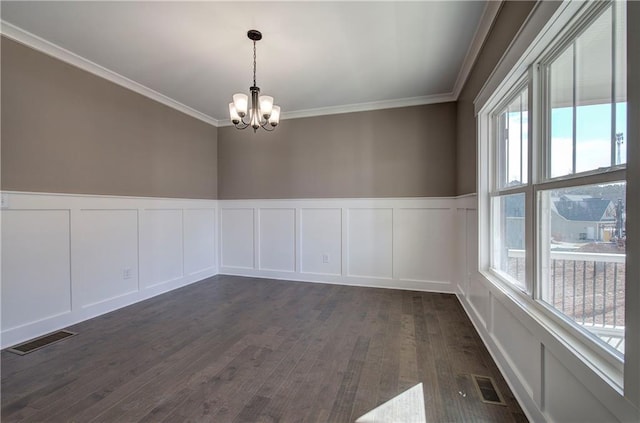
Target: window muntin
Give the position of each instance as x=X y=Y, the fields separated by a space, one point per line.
x=620 y=89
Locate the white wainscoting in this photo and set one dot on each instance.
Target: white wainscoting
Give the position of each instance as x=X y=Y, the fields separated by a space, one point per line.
x=314 y=241
x=237 y=238
x=106 y=243
x=161 y=257
x=402 y=243
x=67 y=258
x=550 y=381
x=277 y=236
x=370 y=243
x=35 y=266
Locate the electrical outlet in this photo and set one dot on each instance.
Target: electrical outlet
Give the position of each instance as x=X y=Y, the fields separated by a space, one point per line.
x=5 y=200
x=126 y=273
x=325 y=258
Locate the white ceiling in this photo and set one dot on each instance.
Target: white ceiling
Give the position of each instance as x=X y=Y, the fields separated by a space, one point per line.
x=314 y=58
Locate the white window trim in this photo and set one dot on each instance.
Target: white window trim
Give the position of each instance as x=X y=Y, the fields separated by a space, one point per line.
x=608 y=366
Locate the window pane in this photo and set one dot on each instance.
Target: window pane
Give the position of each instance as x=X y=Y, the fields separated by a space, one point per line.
x=582 y=269
x=514 y=138
x=509 y=256
x=593 y=95
x=561 y=96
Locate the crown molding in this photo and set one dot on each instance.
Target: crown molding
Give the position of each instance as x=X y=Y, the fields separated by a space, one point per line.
x=362 y=107
x=489 y=14
x=40 y=44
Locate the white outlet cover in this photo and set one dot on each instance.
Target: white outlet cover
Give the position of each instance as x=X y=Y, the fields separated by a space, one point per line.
x=5 y=200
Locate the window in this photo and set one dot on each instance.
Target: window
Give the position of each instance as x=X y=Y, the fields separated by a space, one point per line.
x=555 y=179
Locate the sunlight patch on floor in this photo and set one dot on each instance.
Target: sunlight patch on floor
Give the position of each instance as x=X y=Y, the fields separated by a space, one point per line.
x=408 y=407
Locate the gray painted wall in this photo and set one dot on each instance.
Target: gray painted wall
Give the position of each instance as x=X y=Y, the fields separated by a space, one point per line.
x=510 y=18
x=65 y=130
x=404 y=152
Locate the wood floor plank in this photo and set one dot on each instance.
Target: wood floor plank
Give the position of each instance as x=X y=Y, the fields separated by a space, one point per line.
x=427 y=332
x=241 y=349
x=341 y=410
x=408 y=372
x=252 y=410
x=390 y=364
x=367 y=392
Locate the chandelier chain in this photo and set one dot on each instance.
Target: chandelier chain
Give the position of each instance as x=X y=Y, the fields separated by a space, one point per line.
x=254 y=63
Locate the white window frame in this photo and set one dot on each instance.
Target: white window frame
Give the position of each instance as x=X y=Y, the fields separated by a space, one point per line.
x=569 y=21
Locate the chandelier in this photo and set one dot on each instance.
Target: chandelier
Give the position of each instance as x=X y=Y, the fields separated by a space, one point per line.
x=263 y=113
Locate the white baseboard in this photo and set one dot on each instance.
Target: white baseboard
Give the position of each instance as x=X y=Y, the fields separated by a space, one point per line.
x=411 y=285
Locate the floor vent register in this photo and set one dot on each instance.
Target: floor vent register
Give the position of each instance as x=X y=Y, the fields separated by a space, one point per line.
x=487 y=389
x=41 y=342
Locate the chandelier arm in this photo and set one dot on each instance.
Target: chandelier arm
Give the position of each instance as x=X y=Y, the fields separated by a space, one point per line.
x=241 y=127
x=266 y=127
x=243 y=124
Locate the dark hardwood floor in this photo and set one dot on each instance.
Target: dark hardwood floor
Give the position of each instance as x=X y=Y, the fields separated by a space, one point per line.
x=232 y=349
